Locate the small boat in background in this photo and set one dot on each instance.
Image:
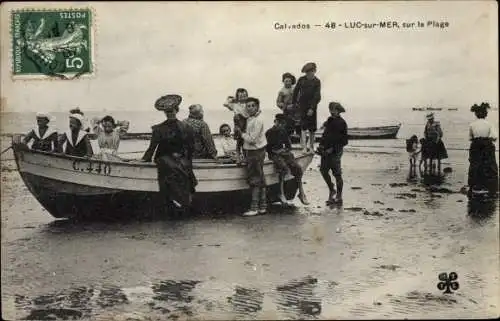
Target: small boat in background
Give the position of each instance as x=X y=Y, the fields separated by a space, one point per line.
x=434 y=108
x=355 y=133
x=418 y=109
x=453 y=109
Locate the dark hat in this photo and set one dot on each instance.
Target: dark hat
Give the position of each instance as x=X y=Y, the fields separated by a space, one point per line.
x=76 y=111
x=310 y=66
x=168 y=103
x=280 y=117
x=337 y=106
x=478 y=108
x=288 y=75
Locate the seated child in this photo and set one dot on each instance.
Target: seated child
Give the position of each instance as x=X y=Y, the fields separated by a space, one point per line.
x=44 y=137
x=109 y=133
x=228 y=143
x=77 y=140
x=279 y=151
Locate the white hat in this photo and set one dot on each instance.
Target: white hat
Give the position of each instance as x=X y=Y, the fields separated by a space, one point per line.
x=43 y=115
x=430 y=115
x=78 y=117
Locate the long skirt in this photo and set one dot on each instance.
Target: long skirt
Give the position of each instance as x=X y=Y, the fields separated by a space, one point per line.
x=176 y=179
x=433 y=150
x=483 y=168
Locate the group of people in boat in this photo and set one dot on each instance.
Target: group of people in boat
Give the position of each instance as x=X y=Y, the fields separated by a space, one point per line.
x=174 y=143
x=76 y=140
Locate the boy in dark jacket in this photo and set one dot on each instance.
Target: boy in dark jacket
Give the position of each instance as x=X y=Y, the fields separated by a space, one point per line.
x=279 y=151
x=331 y=147
x=307 y=95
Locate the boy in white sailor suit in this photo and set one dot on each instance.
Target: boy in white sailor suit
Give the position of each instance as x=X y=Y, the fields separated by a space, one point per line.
x=44 y=137
x=77 y=140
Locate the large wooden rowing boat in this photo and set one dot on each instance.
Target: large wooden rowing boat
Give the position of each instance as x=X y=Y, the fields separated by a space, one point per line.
x=68 y=186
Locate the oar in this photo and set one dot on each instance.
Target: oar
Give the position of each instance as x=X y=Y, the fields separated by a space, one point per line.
x=6 y=149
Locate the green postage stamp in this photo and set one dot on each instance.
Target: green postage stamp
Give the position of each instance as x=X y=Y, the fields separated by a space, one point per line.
x=52 y=43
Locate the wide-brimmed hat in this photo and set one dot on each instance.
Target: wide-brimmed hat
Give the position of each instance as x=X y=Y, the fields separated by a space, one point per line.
x=337 y=106
x=429 y=116
x=168 y=103
x=477 y=108
x=78 y=117
x=288 y=75
x=76 y=110
x=310 y=66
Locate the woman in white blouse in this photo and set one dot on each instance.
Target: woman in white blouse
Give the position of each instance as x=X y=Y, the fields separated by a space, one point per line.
x=483 y=168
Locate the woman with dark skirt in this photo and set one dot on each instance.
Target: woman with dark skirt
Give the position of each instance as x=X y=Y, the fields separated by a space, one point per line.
x=172 y=144
x=433 y=147
x=483 y=168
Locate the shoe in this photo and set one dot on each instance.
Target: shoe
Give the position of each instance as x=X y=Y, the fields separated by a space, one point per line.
x=303 y=199
x=338 y=201
x=251 y=213
x=262 y=211
x=331 y=199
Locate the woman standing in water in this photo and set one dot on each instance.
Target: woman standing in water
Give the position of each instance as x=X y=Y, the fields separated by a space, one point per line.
x=172 y=144
x=483 y=169
x=434 y=146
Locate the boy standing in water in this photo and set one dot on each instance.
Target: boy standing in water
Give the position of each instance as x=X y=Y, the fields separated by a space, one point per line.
x=279 y=151
x=254 y=143
x=307 y=95
x=331 y=148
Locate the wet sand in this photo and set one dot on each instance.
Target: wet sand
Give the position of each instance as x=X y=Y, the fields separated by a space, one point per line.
x=377 y=257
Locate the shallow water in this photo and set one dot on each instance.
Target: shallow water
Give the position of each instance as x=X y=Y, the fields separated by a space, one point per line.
x=377 y=257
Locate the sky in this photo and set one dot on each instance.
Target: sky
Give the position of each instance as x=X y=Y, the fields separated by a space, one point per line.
x=204 y=51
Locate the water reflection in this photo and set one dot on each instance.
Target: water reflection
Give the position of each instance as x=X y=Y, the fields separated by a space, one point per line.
x=172 y=299
x=481 y=210
x=297 y=297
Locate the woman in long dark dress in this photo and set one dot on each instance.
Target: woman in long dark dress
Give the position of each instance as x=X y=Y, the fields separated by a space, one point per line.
x=433 y=147
x=483 y=168
x=172 y=144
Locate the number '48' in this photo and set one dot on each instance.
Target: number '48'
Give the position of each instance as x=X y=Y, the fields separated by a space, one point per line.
x=330 y=25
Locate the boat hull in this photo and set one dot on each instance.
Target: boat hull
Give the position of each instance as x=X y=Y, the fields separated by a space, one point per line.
x=70 y=187
x=384 y=132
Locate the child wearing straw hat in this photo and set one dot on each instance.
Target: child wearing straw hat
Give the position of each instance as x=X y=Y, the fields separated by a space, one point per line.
x=44 y=137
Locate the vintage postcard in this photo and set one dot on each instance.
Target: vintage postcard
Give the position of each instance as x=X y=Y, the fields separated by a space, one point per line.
x=249 y=160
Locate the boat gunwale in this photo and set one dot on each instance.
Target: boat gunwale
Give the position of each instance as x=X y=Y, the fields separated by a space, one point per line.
x=205 y=164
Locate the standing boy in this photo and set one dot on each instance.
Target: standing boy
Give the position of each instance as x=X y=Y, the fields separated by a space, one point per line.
x=307 y=95
x=279 y=151
x=331 y=148
x=254 y=143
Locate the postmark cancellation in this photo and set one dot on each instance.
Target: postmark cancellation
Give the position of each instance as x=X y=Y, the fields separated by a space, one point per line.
x=52 y=43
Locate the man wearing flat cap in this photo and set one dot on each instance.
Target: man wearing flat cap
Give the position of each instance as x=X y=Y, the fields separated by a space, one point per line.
x=172 y=146
x=307 y=95
x=331 y=148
